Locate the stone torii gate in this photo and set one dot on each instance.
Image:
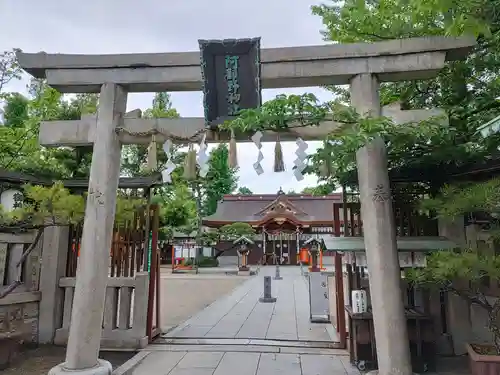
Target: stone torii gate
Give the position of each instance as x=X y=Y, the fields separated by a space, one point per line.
x=361 y=65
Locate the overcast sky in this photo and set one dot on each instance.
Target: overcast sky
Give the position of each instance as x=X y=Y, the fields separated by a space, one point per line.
x=128 y=26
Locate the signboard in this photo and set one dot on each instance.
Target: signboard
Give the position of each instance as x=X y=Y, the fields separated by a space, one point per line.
x=230 y=71
x=359 y=301
x=319 y=301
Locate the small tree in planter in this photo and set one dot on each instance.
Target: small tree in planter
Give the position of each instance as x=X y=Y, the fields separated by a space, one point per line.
x=44 y=207
x=463 y=271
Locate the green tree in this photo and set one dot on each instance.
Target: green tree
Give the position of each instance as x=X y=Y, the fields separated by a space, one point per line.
x=220 y=180
x=9 y=69
x=15 y=110
x=134 y=157
x=319 y=190
x=466 y=271
x=231 y=232
x=466 y=90
x=44 y=207
x=19 y=137
x=243 y=190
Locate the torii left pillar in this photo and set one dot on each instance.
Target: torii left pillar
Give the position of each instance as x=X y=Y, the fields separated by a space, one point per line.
x=93 y=266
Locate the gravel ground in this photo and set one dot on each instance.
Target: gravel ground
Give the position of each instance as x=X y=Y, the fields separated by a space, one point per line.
x=40 y=360
x=181 y=297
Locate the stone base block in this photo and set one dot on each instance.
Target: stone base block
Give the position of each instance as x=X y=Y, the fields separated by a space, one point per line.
x=102 y=368
x=375 y=372
x=243 y=273
x=267 y=299
x=277 y=278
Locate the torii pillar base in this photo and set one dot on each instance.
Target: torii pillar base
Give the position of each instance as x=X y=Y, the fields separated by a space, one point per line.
x=101 y=368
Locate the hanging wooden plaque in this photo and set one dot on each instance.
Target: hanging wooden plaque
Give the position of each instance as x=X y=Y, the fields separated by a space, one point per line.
x=231 y=77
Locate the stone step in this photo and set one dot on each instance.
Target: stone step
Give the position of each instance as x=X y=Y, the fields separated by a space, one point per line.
x=243 y=348
x=246 y=341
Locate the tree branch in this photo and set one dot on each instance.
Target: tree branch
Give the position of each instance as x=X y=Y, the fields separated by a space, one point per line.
x=478 y=298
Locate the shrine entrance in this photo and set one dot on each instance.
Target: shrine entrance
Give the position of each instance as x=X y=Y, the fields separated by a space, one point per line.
x=281 y=246
x=362 y=66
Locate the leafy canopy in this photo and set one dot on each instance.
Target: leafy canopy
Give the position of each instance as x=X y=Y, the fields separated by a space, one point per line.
x=467 y=271
x=55 y=205
x=466 y=90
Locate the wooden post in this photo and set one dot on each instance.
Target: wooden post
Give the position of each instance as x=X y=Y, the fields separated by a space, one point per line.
x=339 y=285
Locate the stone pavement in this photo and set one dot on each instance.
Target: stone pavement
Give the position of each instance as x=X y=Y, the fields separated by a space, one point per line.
x=241 y=315
x=237 y=334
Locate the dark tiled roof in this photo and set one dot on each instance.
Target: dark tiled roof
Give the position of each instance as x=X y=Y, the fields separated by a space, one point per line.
x=246 y=208
x=124 y=183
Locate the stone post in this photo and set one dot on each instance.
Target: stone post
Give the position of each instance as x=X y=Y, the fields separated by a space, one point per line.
x=55 y=254
x=277 y=275
x=380 y=239
x=267 y=297
x=93 y=266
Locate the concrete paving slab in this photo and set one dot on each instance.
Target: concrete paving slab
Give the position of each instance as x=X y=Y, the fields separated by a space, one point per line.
x=278 y=364
x=321 y=365
x=240 y=315
x=160 y=363
x=238 y=363
x=237 y=334
x=200 y=360
x=192 y=371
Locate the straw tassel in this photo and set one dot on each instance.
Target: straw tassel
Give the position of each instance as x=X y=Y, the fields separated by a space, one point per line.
x=279 y=165
x=190 y=164
x=233 y=152
x=152 y=160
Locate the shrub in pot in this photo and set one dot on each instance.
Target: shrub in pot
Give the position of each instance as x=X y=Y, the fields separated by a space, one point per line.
x=463 y=271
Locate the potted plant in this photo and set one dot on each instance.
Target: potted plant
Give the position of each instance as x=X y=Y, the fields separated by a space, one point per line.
x=467 y=271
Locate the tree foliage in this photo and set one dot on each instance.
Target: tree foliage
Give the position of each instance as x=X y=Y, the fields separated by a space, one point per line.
x=220 y=180
x=19 y=136
x=9 y=69
x=319 y=190
x=243 y=190
x=55 y=206
x=21 y=151
x=466 y=90
x=464 y=271
x=42 y=207
x=134 y=156
x=231 y=232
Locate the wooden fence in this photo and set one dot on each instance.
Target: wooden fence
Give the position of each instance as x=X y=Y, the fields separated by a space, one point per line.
x=128 y=253
x=19 y=310
x=131 y=315
x=125 y=312
x=409 y=222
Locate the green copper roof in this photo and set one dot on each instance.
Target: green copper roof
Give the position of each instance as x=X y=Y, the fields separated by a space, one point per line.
x=423 y=244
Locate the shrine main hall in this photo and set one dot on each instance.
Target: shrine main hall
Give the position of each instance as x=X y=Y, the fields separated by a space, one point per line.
x=282 y=222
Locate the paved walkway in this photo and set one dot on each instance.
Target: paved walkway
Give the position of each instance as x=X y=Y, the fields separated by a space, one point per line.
x=237 y=334
x=241 y=315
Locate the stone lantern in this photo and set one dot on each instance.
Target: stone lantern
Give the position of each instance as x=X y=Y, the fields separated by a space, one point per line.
x=314 y=249
x=242 y=245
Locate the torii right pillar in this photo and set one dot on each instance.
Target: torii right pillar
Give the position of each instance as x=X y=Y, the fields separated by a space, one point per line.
x=393 y=353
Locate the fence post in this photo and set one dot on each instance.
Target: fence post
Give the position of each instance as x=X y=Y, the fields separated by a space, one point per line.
x=54 y=256
x=140 y=310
